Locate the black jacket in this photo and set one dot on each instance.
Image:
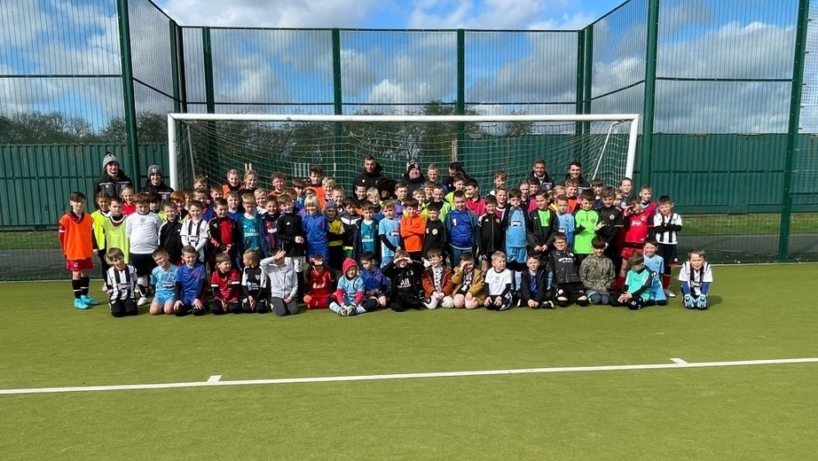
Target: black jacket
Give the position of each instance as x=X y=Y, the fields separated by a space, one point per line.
x=162 y=190
x=111 y=186
x=368 y=179
x=525 y=285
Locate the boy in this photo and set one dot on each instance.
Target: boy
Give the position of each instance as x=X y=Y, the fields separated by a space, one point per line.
x=316 y=182
x=458 y=184
x=474 y=202
x=648 y=207
x=99 y=217
x=292 y=241
x=120 y=280
x=516 y=226
x=233 y=182
x=666 y=226
x=461 y=227
x=113 y=231
x=641 y=286
x=468 y=284
x=279 y=181
x=597 y=186
x=319 y=284
x=261 y=201
x=208 y=212
x=438 y=194
x=195 y=231
x=534 y=285
x=567 y=285
x=335 y=235
x=401 y=194
x=315 y=228
x=283 y=282
x=163 y=278
x=611 y=218
x=226 y=285
x=405 y=274
x=597 y=273
x=365 y=236
x=225 y=234
x=250 y=183
x=253 y=284
x=695 y=277
x=142 y=229
x=349 y=298
x=636 y=231
x=500 y=177
x=437 y=282
x=566 y=219
x=268 y=227
x=499 y=281
x=376 y=285
x=76 y=232
x=250 y=228
x=349 y=218
x=544 y=225
x=491 y=234
x=587 y=224
x=501 y=194
x=412 y=230
x=360 y=197
x=170 y=234
x=389 y=233
x=626 y=188
x=191 y=284
x=435 y=237
x=571 y=191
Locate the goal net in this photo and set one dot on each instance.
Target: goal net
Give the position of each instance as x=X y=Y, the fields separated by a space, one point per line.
x=212 y=144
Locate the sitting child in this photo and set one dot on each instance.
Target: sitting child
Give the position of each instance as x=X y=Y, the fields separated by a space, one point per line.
x=405 y=274
x=253 y=284
x=642 y=286
x=376 y=285
x=163 y=278
x=283 y=283
x=226 y=285
x=348 y=298
x=191 y=284
x=567 y=285
x=437 y=282
x=468 y=284
x=319 y=284
x=534 y=291
x=597 y=273
x=695 y=277
x=500 y=282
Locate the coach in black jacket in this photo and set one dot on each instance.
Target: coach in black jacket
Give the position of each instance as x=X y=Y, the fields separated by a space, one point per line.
x=113 y=179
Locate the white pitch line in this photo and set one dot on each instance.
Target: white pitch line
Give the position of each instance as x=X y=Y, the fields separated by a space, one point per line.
x=678 y=361
x=443 y=374
x=214 y=379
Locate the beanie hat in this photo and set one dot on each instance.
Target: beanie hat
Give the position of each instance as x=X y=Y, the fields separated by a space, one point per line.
x=412 y=164
x=348 y=263
x=330 y=204
x=109 y=158
x=154 y=169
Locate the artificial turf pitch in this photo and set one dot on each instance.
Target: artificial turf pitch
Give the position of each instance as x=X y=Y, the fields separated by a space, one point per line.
x=746 y=412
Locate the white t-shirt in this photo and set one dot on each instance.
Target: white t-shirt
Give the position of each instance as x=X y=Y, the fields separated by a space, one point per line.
x=498 y=281
x=143 y=232
x=695 y=277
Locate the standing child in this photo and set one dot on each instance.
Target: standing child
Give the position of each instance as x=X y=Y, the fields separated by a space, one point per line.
x=597 y=273
x=366 y=233
x=314 y=227
x=587 y=225
x=349 y=218
x=170 y=234
x=641 y=287
x=225 y=234
x=468 y=283
x=544 y=225
x=335 y=235
x=611 y=218
x=268 y=224
x=254 y=284
x=571 y=191
x=502 y=202
x=412 y=229
x=534 y=285
x=491 y=235
x=376 y=285
x=128 y=197
x=292 y=239
x=195 y=231
x=319 y=284
x=695 y=277
x=99 y=217
x=516 y=225
x=597 y=186
x=565 y=219
x=437 y=282
x=405 y=274
x=283 y=283
x=474 y=202
x=435 y=237
x=142 y=229
x=251 y=229
x=349 y=298
x=666 y=227
x=120 y=280
x=191 y=284
x=461 y=227
x=163 y=277
x=500 y=177
x=499 y=281
x=389 y=233
x=250 y=183
x=648 y=207
x=226 y=285
x=233 y=183
x=636 y=231
x=567 y=285
x=626 y=189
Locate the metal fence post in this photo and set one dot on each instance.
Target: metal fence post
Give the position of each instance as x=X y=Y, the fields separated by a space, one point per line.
x=127 y=86
x=338 y=95
x=177 y=67
x=794 y=127
x=646 y=154
x=579 y=106
x=460 y=104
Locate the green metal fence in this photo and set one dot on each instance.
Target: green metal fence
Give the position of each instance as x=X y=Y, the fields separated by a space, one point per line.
x=728 y=90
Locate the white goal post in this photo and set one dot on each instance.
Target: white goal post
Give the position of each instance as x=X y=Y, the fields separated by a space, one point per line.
x=175 y=157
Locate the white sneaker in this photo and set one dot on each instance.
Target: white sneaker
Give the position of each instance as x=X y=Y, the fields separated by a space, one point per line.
x=142 y=301
x=669 y=293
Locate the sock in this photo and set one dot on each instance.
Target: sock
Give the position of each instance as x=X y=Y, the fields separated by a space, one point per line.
x=85 y=282
x=665 y=281
x=76 y=285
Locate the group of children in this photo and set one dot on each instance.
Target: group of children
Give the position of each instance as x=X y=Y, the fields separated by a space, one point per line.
x=440 y=245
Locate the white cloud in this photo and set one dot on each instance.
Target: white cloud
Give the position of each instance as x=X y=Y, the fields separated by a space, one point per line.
x=493 y=14
x=266 y=13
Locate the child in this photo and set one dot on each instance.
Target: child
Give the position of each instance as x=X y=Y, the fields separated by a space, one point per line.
x=437 y=282
x=625 y=187
x=461 y=227
x=491 y=234
x=298 y=193
x=567 y=285
x=128 y=197
x=611 y=218
x=640 y=290
x=534 y=285
x=225 y=234
x=206 y=200
x=120 y=280
x=666 y=226
x=200 y=182
x=251 y=229
x=314 y=228
x=349 y=298
x=389 y=233
x=180 y=199
x=76 y=232
x=458 y=184
x=195 y=231
x=292 y=241
x=597 y=273
x=283 y=282
x=438 y=194
x=349 y=218
x=401 y=194
x=436 y=235
x=597 y=186
x=474 y=202
x=695 y=277
x=142 y=229
x=516 y=226
x=261 y=201
x=316 y=182
x=99 y=217
x=233 y=182
x=413 y=229
x=113 y=231
x=279 y=181
x=544 y=225
x=250 y=183
x=191 y=284
x=636 y=231
x=571 y=191
x=360 y=197
x=226 y=285
x=587 y=224
x=405 y=274
x=534 y=189
x=468 y=284
x=566 y=219
x=268 y=225
x=648 y=207
x=376 y=285
x=366 y=233
x=319 y=284
x=373 y=197
x=499 y=281
x=501 y=195
x=253 y=284
x=163 y=278
x=500 y=177
x=335 y=235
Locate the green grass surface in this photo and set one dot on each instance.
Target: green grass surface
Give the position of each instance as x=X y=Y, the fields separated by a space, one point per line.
x=763 y=412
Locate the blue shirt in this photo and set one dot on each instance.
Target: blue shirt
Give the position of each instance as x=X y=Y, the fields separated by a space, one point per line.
x=368 y=236
x=515 y=233
x=191 y=279
x=567 y=225
x=250 y=231
x=164 y=280
x=350 y=288
x=391 y=229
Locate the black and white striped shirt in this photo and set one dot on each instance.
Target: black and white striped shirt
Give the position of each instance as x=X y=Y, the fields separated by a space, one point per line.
x=121 y=283
x=666 y=228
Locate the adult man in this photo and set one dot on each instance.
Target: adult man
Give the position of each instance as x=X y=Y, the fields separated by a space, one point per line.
x=113 y=179
x=575 y=172
x=540 y=173
x=371 y=175
x=413 y=177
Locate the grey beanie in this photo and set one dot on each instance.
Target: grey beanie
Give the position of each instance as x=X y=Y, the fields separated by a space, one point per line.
x=109 y=158
x=154 y=169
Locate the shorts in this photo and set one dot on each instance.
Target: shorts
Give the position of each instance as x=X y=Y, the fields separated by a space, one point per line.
x=79 y=265
x=668 y=253
x=516 y=254
x=162 y=297
x=629 y=250
x=143 y=263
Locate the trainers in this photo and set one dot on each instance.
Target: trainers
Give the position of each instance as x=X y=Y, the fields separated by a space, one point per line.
x=342 y=311
x=547 y=305
x=142 y=301
x=80 y=304
x=89 y=300
x=352 y=310
x=669 y=293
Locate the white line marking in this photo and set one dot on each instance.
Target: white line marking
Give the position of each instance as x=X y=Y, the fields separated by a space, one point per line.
x=214 y=379
x=678 y=361
x=443 y=374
